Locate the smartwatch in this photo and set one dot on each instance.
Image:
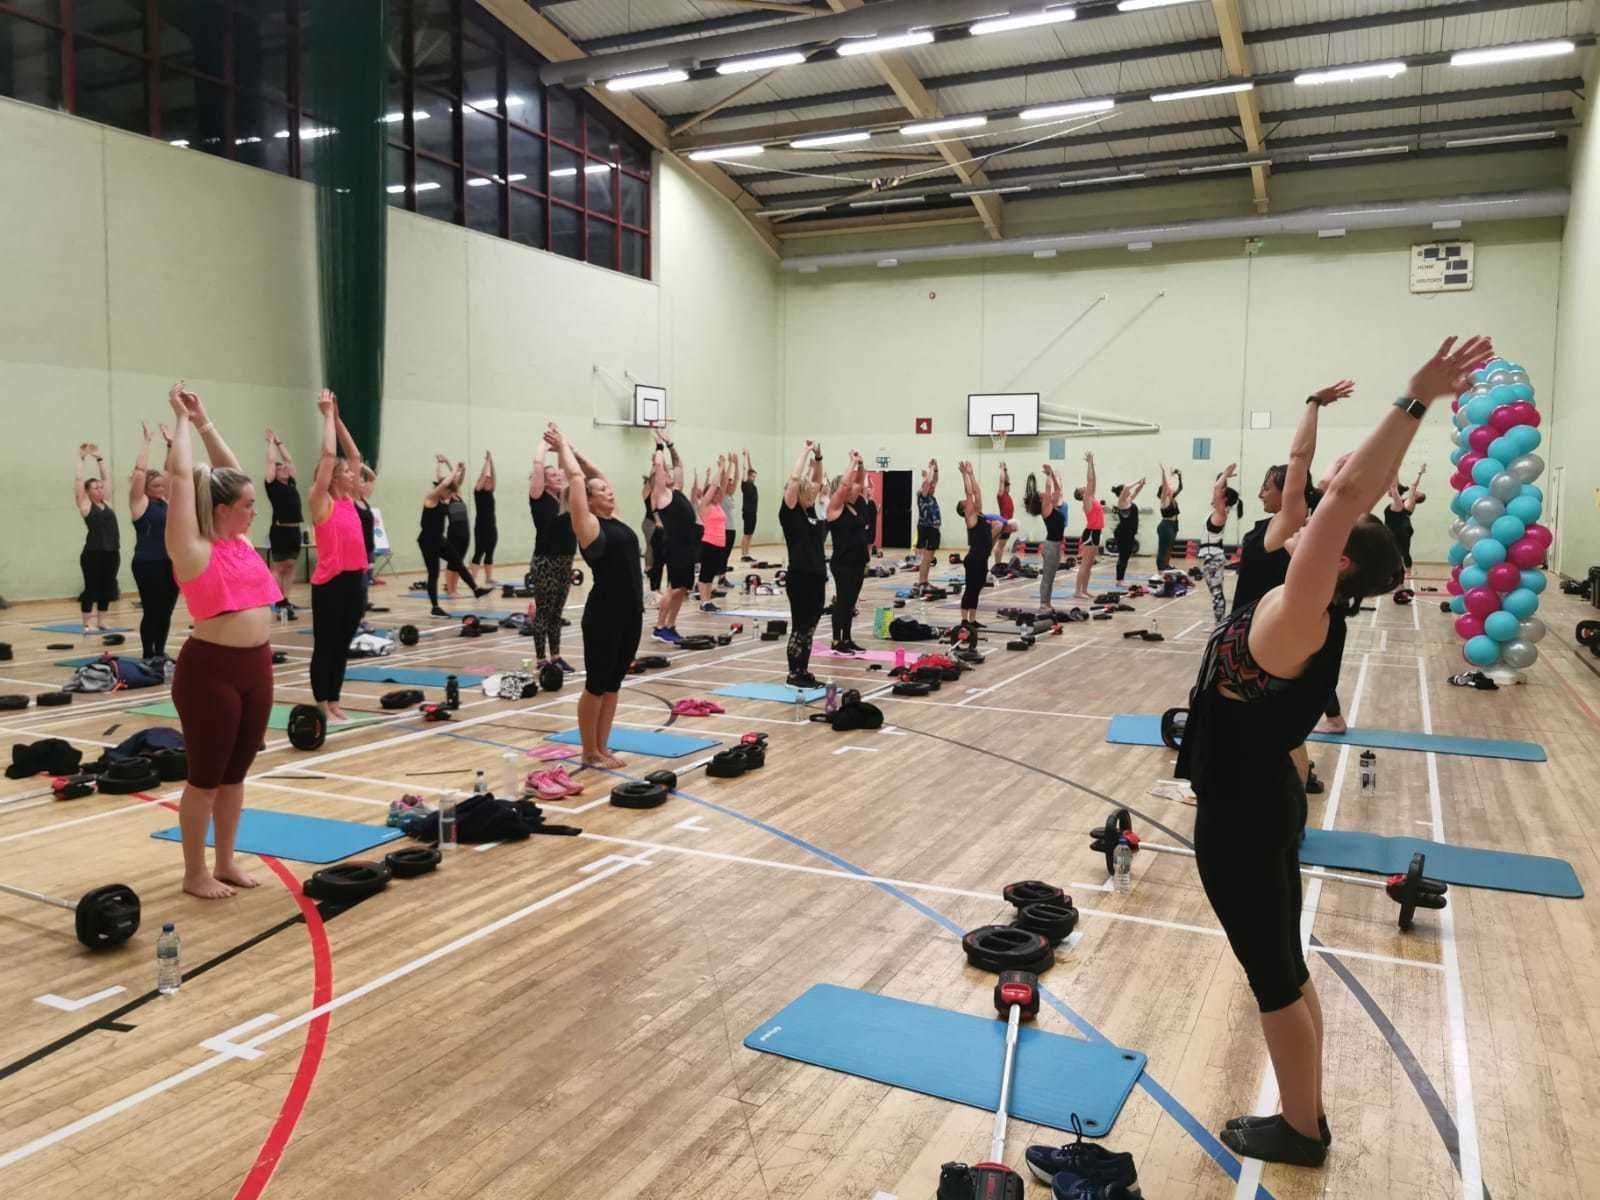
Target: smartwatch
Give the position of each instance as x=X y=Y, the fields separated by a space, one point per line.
x=1411 y=407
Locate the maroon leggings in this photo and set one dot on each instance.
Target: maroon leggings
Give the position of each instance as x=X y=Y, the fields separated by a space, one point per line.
x=224 y=696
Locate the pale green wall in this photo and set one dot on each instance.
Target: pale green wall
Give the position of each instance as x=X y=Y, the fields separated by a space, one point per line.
x=129 y=263
x=867 y=351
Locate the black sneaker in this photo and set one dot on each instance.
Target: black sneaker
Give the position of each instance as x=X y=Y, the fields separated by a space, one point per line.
x=436 y=611
x=291 y=612
x=850 y=645
x=802 y=679
x=1066 y=1167
x=1313 y=784
x=1275 y=1141
x=1474 y=679
x=1261 y=1122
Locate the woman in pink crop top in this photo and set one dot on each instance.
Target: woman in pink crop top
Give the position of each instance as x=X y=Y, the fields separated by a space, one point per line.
x=223 y=685
x=338 y=594
x=1094 y=523
x=713 y=529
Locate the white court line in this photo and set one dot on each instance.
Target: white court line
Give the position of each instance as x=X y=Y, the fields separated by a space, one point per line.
x=1455 y=1004
x=51 y=1000
x=1010 y=679
x=224 y=1042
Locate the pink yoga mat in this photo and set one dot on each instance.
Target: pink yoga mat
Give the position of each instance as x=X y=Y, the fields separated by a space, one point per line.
x=822 y=650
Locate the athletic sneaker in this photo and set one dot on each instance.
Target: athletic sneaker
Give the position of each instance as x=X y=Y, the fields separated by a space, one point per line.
x=659 y=633
x=850 y=645
x=709 y=607
x=1064 y=1167
x=562 y=665
x=669 y=636
x=436 y=611
x=842 y=648
x=1313 y=784
x=480 y=593
x=801 y=679
x=291 y=611
x=724 y=582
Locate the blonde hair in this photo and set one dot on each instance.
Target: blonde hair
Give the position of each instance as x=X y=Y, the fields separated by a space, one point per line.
x=214 y=486
x=368 y=475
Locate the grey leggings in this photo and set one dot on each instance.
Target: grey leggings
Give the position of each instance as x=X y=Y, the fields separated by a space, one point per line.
x=552 y=579
x=1212 y=563
x=1049 y=559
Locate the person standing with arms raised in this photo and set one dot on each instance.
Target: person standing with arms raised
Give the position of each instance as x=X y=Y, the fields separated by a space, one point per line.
x=1094 y=524
x=284 y=536
x=152 y=566
x=338 y=584
x=747 y=507
x=927 y=523
x=102 y=545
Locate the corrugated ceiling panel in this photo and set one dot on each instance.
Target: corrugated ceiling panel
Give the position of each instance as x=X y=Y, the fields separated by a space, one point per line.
x=601 y=18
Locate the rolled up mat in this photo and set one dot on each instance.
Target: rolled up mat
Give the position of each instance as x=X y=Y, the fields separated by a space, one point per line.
x=1136 y=729
x=1467 y=866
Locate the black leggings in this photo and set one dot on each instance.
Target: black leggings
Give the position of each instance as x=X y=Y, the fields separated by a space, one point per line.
x=977 y=575
x=485 y=537
x=1125 y=540
x=158 y=594
x=1166 y=534
x=99 y=578
x=552 y=580
x=805 y=610
x=1403 y=541
x=1331 y=709
x=336 y=611
x=848 y=575
x=448 y=554
x=658 y=557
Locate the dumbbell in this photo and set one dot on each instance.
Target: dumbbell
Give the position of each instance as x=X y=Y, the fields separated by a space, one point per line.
x=105 y=916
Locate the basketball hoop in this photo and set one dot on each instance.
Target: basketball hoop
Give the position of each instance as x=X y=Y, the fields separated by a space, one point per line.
x=1000 y=426
x=997 y=442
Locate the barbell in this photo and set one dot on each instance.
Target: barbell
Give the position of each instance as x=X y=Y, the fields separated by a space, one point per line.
x=106 y=916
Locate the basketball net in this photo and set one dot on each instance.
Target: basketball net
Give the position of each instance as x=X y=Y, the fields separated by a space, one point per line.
x=997 y=442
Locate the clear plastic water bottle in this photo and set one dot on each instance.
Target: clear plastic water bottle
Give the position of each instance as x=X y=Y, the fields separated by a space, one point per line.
x=1122 y=859
x=447 y=821
x=1369 y=771
x=513 y=762
x=1155 y=626
x=169 y=971
x=480 y=784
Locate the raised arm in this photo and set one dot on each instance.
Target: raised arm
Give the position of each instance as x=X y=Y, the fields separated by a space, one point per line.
x=321 y=499
x=347 y=443
x=1416 y=484
x=590 y=471
x=930 y=477
x=1051 y=500
x=441 y=484
x=1178 y=475
x=283 y=453
x=80 y=493
x=1302 y=450
x=802 y=465
x=536 y=474
x=186 y=547
x=485 y=474
x=272 y=458
x=216 y=449
x=1219 y=495
x=1163 y=489
x=749 y=467
x=1130 y=494
x=584 y=523
x=1005 y=480
x=841 y=493
x=660 y=478
x=1089 y=482
x=137 y=500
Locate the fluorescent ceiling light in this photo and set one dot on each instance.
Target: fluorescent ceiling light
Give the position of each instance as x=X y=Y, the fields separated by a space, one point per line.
x=1073 y=109
x=921 y=127
x=1221 y=89
x=831 y=139
x=761 y=62
x=791 y=212
x=427 y=187
x=180 y=143
x=726 y=152
x=517 y=178
x=1386 y=70
x=877 y=45
x=809 y=270
x=597 y=169
x=883 y=203
x=394 y=118
x=1544 y=135
x=562 y=172
x=477 y=181
x=994 y=191
x=1140 y=245
x=308 y=133
x=1324 y=234
x=1366 y=152
x=1140 y=5
x=1453 y=224
x=394 y=189
x=1044 y=253
x=888 y=262
x=1100 y=179
x=1505 y=54
x=1005 y=24
x=247 y=141
x=644 y=79
x=1209 y=168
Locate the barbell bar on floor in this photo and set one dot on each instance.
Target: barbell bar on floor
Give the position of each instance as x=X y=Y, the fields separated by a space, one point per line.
x=106 y=916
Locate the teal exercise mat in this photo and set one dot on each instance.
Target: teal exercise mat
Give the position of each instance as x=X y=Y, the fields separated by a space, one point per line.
x=303 y=839
x=1132 y=729
x=1467 y=866
x=412 y=675
x=783 y=693
x=279 y=719
x=70 y=627
x=641 y=741
x=954 y=1056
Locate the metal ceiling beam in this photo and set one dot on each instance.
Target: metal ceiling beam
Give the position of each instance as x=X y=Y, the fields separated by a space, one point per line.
x=887 y=224
x=687 y=29
x=1137 y=53
x=1230 y=32
x=548 y=41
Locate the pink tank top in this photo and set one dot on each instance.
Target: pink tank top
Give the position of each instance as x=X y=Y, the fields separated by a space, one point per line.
x=716 y=525
x=234 y=580
x=340 y=545
x=1096 y=516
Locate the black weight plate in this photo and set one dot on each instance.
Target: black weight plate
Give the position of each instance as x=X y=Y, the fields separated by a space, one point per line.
x=307 y=727
x=912 y=688
x=638 y=794
x=1007 y=948
x=1054 y=921
x=1588 y=633
x=408 y=635
x=8 y=703
x=667 y=779
x=1032 y=891
x=728 y=764
x=53 y=699
x=107 y=916
x=347 y=881
x=408 y=864
x=1172 y=726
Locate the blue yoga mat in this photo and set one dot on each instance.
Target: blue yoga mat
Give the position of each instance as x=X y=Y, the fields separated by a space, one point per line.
x=71 y=627
x=783 y=693
x=78 y=662
x=411 y=675
x=1129 y=729
x=642 y=741
x=1498 y=870
x=954 y=1056
x=303 y=839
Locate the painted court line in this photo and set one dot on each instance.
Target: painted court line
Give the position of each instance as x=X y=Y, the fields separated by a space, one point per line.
x=51 y=1000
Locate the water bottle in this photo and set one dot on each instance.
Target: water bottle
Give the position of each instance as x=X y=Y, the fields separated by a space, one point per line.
x=899 y=658
x=1122 y=859
x=1369 y=771
x=447 y=821
x=169 y=974
x=1155 y=626
x=452 y=693
x=513 y=762
x=531 y=611
x=480 y=784
x=830 y=701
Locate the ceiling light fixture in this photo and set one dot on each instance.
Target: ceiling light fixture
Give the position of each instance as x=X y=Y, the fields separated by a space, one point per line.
x=1211 y=168
x=918 y=128
x=427 y=187
x=1366 y=152
x=877 y=45
x=1505 y=54
x=597 y=169
x=1543 y=135
x=831 y=139
x=562 y=172
x=478 y=181
x=884 y=203
x=791 y=212
x=1072 y=109
x=726 y=152
x=1221 y=89
x=644 y=79
x=1141 y=5
x=994 y=191
x=1100 y=179
x=761 y=62
x=1384 y=70
x=1005 y=24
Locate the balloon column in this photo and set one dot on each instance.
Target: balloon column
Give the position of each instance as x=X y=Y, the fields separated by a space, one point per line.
x=1500 y=547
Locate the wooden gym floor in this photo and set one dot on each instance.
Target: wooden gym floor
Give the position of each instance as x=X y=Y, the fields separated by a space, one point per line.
x=564 y=1016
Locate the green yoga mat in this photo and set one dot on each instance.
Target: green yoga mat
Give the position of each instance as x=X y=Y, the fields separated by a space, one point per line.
x=279 y=719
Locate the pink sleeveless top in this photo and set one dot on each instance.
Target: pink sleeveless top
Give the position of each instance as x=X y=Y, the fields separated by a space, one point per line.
x=340 y=545
x=234 y=580
x=1096 y=516
x=716 y=524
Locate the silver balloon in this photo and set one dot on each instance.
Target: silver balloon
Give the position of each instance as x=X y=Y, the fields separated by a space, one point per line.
x=1459 y=437
x=1487 y=510
x=1472 y=535
x=1519 y=376
x=1503 y=675
x=1530 y=630
x=1526 y=468
x=1480 y=389
x=1460 y=418
x=1455 y=529
x=1497 y=377
x=1518 y=653
x=1505 y=487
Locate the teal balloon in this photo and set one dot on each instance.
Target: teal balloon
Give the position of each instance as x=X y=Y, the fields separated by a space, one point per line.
x=1507 y=529
x=1489 y=553
x=1501 y=626
x=1524 y=439
x=1486 y=469
x=1502 y=394
x=1480 y=375
x=1458 y=604
x=1533 y=581
x=1457 y=455
x=1473 y=576
x=1524 y=508
x=1458 y=505
x=1502 y=449
x=1478 y=409
x=1457 y=554
x=1534 y=490
x=1472 y=493
x=1521 y=603
x=1523 y=392
x=1482 y=651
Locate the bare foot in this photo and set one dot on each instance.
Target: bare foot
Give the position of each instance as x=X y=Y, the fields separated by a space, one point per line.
x=207 y=887
x=337 y=713
x=236 y=875
x=611 y=760
x=594 y=760
x=1333 y=725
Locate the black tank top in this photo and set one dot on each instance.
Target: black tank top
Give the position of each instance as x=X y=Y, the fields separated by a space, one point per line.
x=150 y=533
x=552 y=529
x=101 y=533
x=679 y=520
x=1399 y=523
x=457 y=514
x=1260 y=569
x=483 y=502
x=1170 y=512
x=285 y=500
x=980 y=540
x=849 y=533
x=1127 y=521
x=433 y=520
x=368 y=522
x=1055 y=525
x=747 y=498
x=617 y=596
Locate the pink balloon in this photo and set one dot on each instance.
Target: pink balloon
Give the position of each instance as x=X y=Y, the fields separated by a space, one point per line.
x=1478 y=440
x=1505 y=577
x=1453 y=586
x=1481 y=602
x=1527 y=413
x=1455 y=405
x=1503 y=418
x=1455 y=572
x=1526 y=552
x=1468 y=626
x=1468 y=461
x=1540 y=534
x=1458 y=482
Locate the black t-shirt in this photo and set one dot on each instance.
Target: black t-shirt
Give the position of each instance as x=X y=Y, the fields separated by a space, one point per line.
x=285 y=501
x=849 y=533
x=1127 y=522
x=1399 y=523
x=483 y=501
x=680 y=522
x=747 y=498
x=980 y=540
x=803 y=532
x=1055 y=525
x=432 y=531
x=1260 y=570
x=368 y=538
x=552 y=528
x=618 y=592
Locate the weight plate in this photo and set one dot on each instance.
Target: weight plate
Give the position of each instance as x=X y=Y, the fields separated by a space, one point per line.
x=107 y=916
x=639 y=794
x=347 y=881
x=1054 y=921
x=408 y=864
x=307 y=728
x=1007 y=948
x=1032 y=891
x=1172 y=726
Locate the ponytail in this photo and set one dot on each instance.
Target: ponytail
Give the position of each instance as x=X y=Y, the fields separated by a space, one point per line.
x=214 y=486
x=203 y=500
